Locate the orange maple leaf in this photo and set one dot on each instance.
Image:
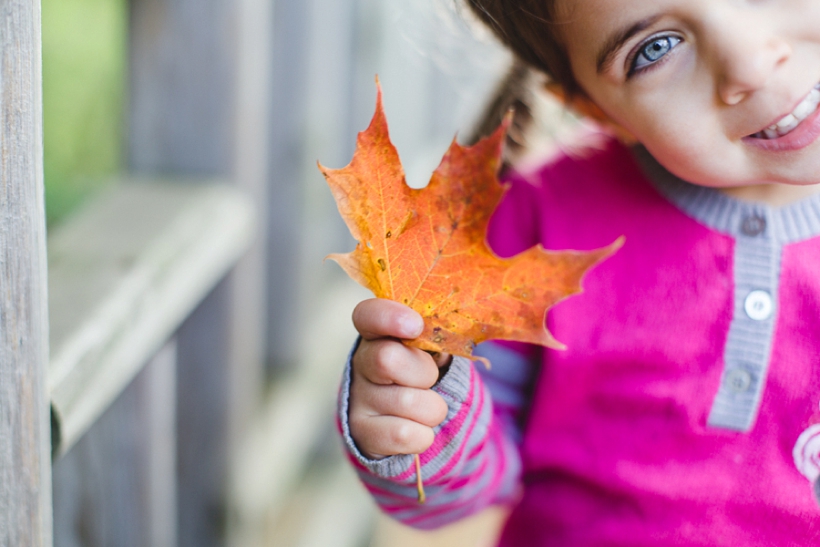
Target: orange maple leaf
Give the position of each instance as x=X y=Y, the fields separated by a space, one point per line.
x=427 y=247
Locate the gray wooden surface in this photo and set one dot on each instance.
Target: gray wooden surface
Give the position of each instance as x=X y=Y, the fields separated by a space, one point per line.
x=123 y=275
x=192 y=100
x=250 y=134
x=117 y=485
x=25 y=470
x=286 y=200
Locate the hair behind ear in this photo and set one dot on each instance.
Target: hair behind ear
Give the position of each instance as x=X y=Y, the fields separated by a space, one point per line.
x=581 y=104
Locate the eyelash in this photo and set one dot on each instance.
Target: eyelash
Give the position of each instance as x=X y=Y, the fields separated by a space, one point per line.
x=672 y=42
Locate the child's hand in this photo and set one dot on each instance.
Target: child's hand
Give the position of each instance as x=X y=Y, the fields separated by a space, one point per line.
x=392 y=408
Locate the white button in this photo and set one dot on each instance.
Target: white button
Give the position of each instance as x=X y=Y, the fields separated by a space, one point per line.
x=759 y=305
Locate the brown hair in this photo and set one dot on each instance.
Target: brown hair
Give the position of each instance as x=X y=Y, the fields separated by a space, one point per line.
x=528 y=27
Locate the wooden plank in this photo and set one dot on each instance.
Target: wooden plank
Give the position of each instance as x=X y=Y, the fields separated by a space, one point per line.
x=117 y=484
x=286 y=201
x=182 y=84
x=124 y=273
x=25 y=467
x=193 y=95
x=250 y=280
x=203 y=421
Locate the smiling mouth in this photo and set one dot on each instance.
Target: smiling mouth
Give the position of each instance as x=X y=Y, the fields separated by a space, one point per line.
x=791 y=121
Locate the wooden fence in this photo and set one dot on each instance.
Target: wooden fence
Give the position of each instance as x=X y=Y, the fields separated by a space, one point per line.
x=195 y=337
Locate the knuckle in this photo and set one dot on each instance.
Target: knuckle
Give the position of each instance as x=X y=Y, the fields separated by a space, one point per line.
x=403 y=435
x=406 y=400
x=384 y=358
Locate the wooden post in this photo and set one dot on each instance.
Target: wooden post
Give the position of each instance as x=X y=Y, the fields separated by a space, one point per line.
x=25 y=456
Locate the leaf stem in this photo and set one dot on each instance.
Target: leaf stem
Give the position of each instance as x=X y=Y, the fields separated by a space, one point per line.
x=419 y=483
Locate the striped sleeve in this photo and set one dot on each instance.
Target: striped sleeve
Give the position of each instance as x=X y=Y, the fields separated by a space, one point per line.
x=474 y=460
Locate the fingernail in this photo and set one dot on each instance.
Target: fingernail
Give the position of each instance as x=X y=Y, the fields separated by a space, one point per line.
x=412 y=325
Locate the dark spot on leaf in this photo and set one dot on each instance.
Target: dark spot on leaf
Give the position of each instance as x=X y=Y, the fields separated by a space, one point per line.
x=437 y=330
x=381 y=263
x=389 y=235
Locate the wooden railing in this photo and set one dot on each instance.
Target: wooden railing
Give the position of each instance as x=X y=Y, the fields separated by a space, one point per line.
x=123 y=276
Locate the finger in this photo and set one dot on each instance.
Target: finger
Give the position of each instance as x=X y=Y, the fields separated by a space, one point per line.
x=378 y=317
x=382 y=436
x=419 y=405
x=388 y=361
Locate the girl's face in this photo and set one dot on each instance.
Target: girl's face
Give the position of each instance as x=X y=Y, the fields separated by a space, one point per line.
x=698 y=82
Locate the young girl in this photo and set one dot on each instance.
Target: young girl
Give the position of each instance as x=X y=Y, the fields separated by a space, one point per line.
x=685 y=410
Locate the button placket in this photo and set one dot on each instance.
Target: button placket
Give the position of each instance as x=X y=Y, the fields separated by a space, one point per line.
x=746 y=355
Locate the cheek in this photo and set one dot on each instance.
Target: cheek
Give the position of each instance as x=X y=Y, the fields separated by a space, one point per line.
x=686 y=150
x=686 y=139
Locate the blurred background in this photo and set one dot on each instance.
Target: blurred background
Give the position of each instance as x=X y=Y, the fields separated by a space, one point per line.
x=173 y=119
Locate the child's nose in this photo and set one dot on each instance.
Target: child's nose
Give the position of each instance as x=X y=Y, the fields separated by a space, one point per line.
x=747 y=60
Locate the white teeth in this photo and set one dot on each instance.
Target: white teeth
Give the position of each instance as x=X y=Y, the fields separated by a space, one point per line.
x=803 y=110
x=789 y=122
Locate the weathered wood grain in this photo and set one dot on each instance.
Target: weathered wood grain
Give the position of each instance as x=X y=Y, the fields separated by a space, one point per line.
x=25 y=467
x=117 y=485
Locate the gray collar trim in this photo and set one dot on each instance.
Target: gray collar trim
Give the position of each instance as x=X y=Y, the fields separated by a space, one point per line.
x=791 y=223
x=759 y=231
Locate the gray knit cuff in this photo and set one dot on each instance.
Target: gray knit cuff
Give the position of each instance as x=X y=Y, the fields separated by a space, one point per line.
x=453 y=387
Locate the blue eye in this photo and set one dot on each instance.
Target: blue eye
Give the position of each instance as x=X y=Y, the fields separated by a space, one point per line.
x=652 y=51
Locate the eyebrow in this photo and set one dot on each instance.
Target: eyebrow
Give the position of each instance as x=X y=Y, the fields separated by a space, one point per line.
x=606 y=55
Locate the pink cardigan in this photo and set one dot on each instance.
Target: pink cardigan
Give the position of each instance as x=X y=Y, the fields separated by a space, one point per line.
x=686 y=409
